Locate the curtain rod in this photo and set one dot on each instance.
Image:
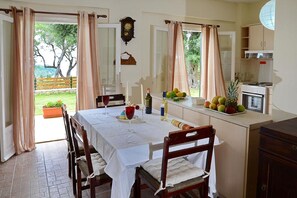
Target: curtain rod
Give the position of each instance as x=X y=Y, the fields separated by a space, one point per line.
x=190 y=23
x=43 y=12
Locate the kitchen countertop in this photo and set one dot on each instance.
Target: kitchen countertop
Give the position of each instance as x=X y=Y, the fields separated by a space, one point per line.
x=250 y=119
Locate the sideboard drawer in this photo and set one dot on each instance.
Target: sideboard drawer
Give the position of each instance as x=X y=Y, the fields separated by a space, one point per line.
x=279 y=147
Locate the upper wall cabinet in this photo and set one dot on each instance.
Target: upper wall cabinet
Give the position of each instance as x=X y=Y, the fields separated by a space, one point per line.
x=260 y=38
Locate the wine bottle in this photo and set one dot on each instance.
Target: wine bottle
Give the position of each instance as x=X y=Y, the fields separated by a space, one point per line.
x=164 y=107
x=148 y=102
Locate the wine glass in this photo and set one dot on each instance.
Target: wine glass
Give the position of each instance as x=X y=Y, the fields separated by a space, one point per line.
x=105 y=100
x=129 y=114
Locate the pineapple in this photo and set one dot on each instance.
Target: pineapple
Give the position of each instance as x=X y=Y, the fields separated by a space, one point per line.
x=232 y=96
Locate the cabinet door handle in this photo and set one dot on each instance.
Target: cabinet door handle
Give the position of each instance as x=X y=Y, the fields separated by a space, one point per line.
x=294 y=147
x=263 y=187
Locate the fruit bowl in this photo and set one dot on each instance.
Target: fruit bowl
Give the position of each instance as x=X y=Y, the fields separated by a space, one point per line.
x=228 y=114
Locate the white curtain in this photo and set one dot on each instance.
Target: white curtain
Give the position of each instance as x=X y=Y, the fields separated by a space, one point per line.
x=88 y=77
x=177 y=73
x=23 y=80
x=212 y=80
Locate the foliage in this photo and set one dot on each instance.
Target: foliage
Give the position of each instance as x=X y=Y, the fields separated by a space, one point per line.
x=192 y=43
x=58 y=41
x=57 y=103
x=68 y=98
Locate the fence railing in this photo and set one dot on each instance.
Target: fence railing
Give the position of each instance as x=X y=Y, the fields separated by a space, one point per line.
x=54 y=83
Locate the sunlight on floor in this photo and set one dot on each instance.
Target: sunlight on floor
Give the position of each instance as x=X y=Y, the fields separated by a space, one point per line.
x=49 y=129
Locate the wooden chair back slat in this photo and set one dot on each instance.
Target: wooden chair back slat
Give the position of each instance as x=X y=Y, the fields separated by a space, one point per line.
x=67 y=127
x=114 y=100
x=187 y=136
x=79 y=135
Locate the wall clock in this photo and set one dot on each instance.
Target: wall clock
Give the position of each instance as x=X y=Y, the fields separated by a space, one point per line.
x=127 y=26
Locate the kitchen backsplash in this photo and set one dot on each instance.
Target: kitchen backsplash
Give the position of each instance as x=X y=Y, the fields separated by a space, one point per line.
x=256 y=70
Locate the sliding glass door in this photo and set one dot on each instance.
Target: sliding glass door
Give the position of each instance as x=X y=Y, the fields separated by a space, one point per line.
x=6 y=131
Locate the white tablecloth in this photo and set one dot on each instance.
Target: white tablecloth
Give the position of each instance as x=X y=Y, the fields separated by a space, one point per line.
x=124 y=150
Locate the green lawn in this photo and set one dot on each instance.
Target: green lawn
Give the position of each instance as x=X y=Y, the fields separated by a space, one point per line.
x=43 y=98
x=194 y=92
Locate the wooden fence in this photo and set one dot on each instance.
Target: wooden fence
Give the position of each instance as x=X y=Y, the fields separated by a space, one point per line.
x=54 y=83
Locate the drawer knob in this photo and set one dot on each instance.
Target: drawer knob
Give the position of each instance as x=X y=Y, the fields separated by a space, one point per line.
x=263 y=187
x=294 y=147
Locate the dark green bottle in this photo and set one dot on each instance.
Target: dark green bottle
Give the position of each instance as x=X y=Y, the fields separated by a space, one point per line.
x=148 y=102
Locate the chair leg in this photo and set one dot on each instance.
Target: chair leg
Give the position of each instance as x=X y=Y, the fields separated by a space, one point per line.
x=205 y=191
x=74 y=181
x=69 y=164
x=137 y=192
x=78 y=182
x=92 y=188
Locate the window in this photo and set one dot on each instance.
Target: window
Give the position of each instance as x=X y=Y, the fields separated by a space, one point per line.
x=192 y=48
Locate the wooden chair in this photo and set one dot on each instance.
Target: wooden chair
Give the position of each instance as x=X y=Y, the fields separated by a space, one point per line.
x=71 y=153
x=172 y=174
x=114 y=100
x=90 y=164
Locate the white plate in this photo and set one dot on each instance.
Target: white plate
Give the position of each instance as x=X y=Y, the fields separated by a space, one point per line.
x=126 y=120
x=237 y=113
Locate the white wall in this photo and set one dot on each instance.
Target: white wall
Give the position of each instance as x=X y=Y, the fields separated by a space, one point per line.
x=285 y=58
x=146 y=13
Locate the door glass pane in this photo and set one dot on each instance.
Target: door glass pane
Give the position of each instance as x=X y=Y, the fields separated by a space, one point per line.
x=107 y=57
x=7 y=60
x=226 y=55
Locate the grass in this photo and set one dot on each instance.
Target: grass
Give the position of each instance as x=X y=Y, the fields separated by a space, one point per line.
x=194 y=92
x=43 y=98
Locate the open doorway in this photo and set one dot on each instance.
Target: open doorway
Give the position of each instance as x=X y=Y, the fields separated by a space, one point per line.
x=55 y=58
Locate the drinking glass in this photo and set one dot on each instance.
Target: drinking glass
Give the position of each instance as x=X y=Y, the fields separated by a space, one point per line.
x=129 y=114
x=105 y=100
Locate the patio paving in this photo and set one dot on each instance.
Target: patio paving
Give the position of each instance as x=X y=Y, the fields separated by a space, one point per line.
x=49 y=129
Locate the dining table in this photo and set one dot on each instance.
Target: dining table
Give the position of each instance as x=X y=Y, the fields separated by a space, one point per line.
x=124 y=148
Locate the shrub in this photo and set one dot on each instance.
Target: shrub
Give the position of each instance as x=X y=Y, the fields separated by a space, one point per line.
x=58 y=103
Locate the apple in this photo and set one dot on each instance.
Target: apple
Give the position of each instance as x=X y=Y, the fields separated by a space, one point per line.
x=222 y=100
x=221 y=108
x=206 y=104
x=230 y=110
x=213 y=106
x=215 y=99
x=240 y=108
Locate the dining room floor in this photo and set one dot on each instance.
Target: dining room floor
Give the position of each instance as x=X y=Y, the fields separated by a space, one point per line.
x=43 y=173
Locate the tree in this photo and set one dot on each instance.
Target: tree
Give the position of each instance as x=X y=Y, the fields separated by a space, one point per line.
x=192 y=43
x=55 y=44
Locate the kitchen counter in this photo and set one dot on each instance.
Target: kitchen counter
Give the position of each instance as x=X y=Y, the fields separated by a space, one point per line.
x=236 y=157
x=249 y=119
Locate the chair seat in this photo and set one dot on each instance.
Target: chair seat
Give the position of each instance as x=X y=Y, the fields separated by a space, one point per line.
x=179 y=170
x=98 y=164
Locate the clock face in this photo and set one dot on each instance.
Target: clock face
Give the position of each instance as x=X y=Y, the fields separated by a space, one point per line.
x=128 y=26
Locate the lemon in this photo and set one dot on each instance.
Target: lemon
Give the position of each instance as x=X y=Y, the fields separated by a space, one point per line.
x=168 y=94
x=176 y=90
x=179 y=94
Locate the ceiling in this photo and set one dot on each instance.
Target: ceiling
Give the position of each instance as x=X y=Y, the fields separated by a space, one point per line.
x=242 y=1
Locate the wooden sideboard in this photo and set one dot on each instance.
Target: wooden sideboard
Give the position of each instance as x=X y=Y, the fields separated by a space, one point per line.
x=277 y=175
x=237 y=156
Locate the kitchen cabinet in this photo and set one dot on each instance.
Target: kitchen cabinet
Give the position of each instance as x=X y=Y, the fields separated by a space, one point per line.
x=244 y=40
x=195 y=117
x=260 y=38
x=278 y=160
x=237 y=156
